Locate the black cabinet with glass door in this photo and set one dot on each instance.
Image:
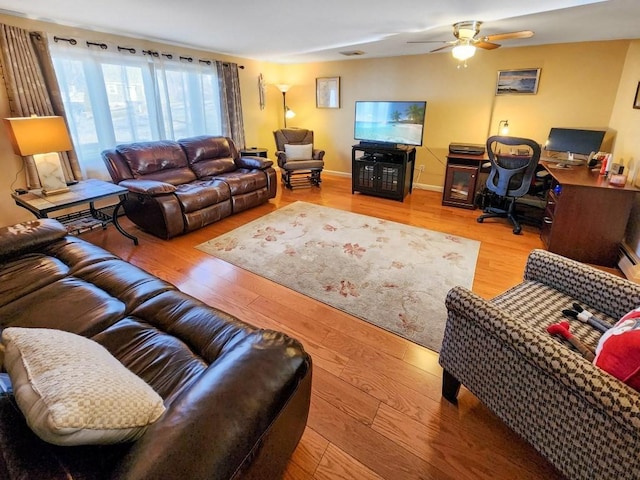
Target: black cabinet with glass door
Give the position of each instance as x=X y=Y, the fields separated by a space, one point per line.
x=383 y=171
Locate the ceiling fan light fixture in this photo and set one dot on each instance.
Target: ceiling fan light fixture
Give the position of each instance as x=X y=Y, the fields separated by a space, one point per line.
x=463 y=51
x=466 y=30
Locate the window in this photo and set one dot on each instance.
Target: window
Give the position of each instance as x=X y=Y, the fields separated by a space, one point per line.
x=112 y=98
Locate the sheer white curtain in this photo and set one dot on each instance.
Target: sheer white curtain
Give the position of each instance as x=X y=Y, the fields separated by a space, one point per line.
x=114 y=97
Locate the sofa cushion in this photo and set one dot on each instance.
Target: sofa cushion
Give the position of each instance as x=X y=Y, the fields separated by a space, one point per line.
x=209 y=156
x=243 y=181
x=298 y=152
x=303 y=165
x=73 y=392
x=201 y=194
x=146 y=158
x=532 y=301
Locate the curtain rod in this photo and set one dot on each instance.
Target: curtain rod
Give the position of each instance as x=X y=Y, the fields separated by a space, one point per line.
x=152 y=53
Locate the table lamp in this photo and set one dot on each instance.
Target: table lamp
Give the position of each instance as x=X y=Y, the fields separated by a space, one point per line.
x=42 y=137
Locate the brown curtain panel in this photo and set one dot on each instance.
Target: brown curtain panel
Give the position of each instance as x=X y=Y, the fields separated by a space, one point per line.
x=32 y=88
x=232 y=123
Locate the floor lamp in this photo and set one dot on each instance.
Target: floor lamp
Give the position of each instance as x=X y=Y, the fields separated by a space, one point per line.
x=288 y=113
x=42 y=137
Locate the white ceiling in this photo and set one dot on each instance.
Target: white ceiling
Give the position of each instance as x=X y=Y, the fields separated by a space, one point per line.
x=299 y=31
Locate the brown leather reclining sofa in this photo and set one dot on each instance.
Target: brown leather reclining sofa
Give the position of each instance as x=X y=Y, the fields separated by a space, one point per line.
x=177 y=187
x=236 y=397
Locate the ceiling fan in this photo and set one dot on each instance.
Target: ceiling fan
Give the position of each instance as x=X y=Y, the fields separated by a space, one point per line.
x=467 y=41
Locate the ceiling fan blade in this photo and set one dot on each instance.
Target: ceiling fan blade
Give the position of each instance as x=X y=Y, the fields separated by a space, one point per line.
x=507 y=36
x=442 y=48
x=429 y=41
x=486 y=45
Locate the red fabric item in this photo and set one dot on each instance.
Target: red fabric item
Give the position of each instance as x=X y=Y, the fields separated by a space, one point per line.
x=618 y=351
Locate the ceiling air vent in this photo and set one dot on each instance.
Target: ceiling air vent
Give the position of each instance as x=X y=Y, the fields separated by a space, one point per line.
x=352 y=53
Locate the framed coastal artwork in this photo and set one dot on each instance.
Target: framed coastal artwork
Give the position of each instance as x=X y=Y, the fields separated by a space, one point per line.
x=518 y=82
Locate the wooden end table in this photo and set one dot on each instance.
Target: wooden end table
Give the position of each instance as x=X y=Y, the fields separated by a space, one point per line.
x=83 y=192
x=254 y=152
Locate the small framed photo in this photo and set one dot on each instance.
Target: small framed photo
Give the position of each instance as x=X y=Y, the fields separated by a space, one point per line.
x=523 y=81
x=636 y=99
x=328 y=92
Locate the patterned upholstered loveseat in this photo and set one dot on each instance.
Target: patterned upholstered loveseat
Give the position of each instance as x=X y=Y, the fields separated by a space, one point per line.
x=584 y=421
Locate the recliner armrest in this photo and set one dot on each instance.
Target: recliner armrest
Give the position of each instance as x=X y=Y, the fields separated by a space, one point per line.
x=282 y=158
x=318 y=154
x=254 y=162
x=28 y=236
x=148 y=187
x=613 y=295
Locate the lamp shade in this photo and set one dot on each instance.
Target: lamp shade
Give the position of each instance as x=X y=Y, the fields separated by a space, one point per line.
x=284 y=88
x=33 y=135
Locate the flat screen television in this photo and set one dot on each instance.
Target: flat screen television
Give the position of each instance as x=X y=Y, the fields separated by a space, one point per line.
x=574 y=140
x=392 y=122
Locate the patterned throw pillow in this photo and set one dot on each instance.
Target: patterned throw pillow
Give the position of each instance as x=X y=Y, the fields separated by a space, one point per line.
x=298 y=152
x=72 y=391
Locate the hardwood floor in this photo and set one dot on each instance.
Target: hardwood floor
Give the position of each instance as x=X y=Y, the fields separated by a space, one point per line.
x=376 y=409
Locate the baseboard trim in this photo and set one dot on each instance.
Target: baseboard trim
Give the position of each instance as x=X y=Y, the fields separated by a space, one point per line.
x=336 y=173
x=431 y=188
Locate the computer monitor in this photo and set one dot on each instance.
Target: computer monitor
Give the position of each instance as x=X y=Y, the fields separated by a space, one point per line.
x=581 y=142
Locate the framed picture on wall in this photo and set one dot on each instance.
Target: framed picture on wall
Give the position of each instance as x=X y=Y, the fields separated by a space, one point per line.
x=328 y=92
x=636 y=99
x=523 y=81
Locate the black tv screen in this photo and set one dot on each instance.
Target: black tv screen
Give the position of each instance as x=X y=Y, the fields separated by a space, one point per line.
x=390 y=122
x=574 y=140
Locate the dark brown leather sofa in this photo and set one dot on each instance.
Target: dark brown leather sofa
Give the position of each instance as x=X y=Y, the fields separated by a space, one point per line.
x=236 y=397
x=177 y=187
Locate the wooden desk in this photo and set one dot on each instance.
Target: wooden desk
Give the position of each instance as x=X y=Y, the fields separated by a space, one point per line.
x=585 y=218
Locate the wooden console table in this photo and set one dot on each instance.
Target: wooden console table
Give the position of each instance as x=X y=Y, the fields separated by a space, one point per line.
x=585 y=217
x=83 y=193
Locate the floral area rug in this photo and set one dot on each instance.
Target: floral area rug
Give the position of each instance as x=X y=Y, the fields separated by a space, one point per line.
x=392 y=275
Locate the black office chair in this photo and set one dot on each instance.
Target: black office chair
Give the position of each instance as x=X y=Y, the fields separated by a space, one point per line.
x=513 y=168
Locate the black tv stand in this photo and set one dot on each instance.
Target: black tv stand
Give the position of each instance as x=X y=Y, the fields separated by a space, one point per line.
x=378 y=144
x=383 y=170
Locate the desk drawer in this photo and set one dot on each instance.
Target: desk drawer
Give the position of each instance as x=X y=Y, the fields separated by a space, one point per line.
x=552 y=201
x=547 y=223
